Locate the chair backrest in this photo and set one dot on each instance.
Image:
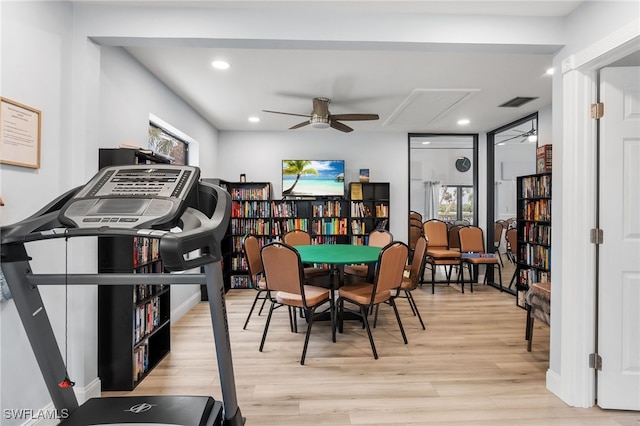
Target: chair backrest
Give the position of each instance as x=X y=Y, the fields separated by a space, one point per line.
x=251 y=248
x=415 y=217
x=282 y=268
x=471 y=240
x=454 y=237
x=379 y=238
x=437 y=233
x=391 y=263
x=297 y=237
x=418 y=260
x=415 y=232
x=498 y=228
x=512 y=239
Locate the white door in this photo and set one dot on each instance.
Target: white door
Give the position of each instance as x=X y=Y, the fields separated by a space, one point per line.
x=619 y=266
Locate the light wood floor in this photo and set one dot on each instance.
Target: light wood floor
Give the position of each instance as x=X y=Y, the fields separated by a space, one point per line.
x=470 y=366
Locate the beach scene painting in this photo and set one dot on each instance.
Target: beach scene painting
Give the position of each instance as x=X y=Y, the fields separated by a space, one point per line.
x=313 y=178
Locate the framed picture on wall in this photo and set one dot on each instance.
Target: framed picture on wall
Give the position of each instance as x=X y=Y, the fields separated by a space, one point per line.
x=19 y=134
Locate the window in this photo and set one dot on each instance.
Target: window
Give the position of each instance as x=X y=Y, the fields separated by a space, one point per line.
x=164 y=143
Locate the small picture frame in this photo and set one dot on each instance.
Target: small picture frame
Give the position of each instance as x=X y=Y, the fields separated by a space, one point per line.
x=243 y=177
x=364 y=175
x=19 y=134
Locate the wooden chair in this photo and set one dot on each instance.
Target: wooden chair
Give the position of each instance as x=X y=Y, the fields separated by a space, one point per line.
x=512 y=244
x=415 y=232
x=377 y=238
x=438 y=253
x=283 y=270
x=251 y=248
x=366 y=296
x=414 y=216
x=498 y=230
x=454 y=238
x=474 y=254
x=313 y=275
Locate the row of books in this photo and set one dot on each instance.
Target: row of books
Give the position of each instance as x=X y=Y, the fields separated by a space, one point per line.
x=327 y=209
x=145 y=291
x=362 y=209
x=250 y=209
x=145 y=250
x=146 y=319
x=535 y=255
x=538 y=210
x=536 y=186
x=253 y=226
x=251 y=193
x=238 y=261
x=140 y=361
x=281 y=227
x=156 y=267
x=334 y=226
x=526 y=277
x=284 y=209
x=240 y=281
x=536 y=233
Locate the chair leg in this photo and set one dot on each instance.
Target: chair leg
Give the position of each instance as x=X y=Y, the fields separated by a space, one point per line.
x=395 y=309
x=375 y=317
x=253 y=305
x=364 y=311
x=310 y=318
x=414 y=307
x=264 y=301
x=433 y=279
x=266 y=326
x=529 y=332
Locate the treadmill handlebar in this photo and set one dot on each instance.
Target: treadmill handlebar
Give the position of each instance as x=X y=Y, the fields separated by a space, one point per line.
x=202 y=228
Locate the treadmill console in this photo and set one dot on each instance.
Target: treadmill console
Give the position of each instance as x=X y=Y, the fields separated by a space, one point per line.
x=140 y=196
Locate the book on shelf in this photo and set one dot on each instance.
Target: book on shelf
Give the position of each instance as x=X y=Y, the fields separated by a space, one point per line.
x=356 y=191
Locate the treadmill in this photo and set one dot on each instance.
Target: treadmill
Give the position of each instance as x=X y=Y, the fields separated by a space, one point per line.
x=161 y=201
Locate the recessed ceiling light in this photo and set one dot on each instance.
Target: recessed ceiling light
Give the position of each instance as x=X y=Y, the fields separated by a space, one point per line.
x=426 y=143
x=550 y=71
x=464 y=122
x=254 y=119
x=501 y=144
x=220 y=65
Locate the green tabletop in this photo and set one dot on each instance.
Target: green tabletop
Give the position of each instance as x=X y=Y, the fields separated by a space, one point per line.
x=338 y=254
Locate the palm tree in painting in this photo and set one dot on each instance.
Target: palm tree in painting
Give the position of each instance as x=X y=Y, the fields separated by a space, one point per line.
x=298 y=168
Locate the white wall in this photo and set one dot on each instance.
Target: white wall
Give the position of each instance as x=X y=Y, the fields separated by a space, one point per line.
x=87 y=101
x=259 y=155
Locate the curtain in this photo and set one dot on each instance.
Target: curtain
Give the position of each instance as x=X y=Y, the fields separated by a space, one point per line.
x=431 y=190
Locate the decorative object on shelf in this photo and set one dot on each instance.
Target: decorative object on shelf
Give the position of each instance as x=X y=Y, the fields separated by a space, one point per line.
x=364 y=175
x=243 y=177
x=463 y=164
x=19 y=134
x=543 y=159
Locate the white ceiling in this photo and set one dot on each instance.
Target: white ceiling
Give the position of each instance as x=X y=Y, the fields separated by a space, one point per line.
x=414 y=88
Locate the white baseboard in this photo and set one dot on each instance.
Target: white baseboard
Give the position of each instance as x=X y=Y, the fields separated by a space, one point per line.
x=185 y=307
x=92 y=390
x=553 y=383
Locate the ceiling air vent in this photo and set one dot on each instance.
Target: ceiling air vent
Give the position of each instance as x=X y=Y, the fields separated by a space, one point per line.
x=517 y=102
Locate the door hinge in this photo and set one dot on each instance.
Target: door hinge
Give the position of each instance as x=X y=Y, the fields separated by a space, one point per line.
x=597 y=110
x=595 y=361
x=597 y=236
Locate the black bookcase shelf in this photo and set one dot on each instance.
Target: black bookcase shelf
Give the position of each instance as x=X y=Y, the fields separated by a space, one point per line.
x=533 y=254
x=133 y=320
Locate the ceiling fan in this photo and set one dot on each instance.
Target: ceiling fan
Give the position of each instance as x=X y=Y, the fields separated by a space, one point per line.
x=530 y=136
x=321 y=118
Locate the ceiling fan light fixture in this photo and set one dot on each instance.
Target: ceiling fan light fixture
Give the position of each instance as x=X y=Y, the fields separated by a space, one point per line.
x=532 y=138
x=319 y=122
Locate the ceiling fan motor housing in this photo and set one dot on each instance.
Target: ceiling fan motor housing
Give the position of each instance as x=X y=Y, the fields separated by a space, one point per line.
x=319 y=122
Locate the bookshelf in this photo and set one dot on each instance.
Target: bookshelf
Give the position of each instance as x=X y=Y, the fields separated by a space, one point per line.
x=250 y=214
x=533 y=254
x=369 y=209
x=133 y=321
x=328 y=220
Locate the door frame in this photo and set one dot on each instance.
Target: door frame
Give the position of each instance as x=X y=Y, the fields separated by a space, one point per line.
x=575 y=186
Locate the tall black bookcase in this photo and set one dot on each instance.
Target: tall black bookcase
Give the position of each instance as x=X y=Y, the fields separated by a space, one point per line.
x=533 y=254
x=133 y=321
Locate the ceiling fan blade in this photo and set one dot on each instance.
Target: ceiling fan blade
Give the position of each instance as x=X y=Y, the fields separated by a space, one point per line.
x=355 y=117
x=286 y=113
x=340 y=126
x=297 y=126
